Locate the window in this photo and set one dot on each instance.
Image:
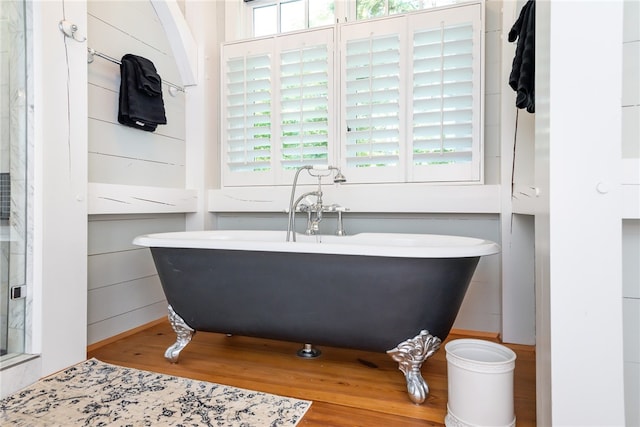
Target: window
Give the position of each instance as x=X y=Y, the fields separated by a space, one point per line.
x=397 y=100
x=281 y=16
x=269 y=17
x=366 y=9
x=278 y=106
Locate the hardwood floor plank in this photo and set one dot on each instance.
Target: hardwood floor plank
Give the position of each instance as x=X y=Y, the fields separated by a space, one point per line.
x=348 y=387
x=323 y=414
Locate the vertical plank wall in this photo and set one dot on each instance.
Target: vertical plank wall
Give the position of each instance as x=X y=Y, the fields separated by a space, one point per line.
x=631 y=226
x=123 y=289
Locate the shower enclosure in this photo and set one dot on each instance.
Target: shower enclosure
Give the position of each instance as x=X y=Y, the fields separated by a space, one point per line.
x=13 y=182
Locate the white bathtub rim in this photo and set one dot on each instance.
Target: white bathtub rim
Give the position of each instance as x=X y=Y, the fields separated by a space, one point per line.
x=402 y=245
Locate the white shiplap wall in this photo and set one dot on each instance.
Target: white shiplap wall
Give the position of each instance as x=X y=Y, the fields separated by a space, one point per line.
x=631 y=226
x=119 y=154
x=123 y=288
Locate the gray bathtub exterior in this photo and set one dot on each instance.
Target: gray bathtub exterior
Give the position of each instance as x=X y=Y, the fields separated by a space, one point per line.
x=362 y=302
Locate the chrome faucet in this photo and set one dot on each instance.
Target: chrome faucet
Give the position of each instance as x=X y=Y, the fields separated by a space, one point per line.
x=314 y=210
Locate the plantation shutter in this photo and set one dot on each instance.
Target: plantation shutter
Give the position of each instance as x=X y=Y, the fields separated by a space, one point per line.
x=409 y=110
x=446 y=88
x=373 y=101
x=305 y=92
x=411 y=95
x=247 y=133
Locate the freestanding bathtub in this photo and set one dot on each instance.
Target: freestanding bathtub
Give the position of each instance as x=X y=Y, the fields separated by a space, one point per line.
x=398 y=293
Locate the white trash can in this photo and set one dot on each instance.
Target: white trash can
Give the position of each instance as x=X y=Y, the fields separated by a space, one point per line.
x=480 y=378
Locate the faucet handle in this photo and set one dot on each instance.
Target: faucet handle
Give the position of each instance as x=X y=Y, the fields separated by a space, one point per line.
x=334 y=208
x=340 y=230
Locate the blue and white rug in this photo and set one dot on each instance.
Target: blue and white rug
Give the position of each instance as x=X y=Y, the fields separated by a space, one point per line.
x=94 y=393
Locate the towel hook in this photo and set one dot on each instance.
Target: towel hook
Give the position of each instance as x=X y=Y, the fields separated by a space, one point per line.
x=69 y=30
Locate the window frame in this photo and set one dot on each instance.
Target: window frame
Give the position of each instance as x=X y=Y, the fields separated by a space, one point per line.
x=344 y=11
x=280 y=177
x=251 y=5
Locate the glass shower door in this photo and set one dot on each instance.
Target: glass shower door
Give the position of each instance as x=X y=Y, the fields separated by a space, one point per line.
x=13 y=183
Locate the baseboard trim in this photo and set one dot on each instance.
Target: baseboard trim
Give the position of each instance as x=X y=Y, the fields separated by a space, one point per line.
x=107 y=341
x=477 y=334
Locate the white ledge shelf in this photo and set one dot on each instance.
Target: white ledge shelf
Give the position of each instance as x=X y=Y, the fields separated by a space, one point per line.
x=378 y=198
x=524 y=196
x=523 y=199
x=131 y=199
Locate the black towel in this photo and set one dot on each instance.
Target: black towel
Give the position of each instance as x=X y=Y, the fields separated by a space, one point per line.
x=141 y=105
x=522 y=77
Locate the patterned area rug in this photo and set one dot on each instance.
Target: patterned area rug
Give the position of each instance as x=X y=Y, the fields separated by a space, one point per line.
x=94 y=393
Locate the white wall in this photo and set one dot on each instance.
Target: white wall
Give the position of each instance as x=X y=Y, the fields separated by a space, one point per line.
x=120 y=154
x=517 y=225
x=60 y=187
x=128 y=170
x=124 y=290
x=206 y=21
x=578 y=214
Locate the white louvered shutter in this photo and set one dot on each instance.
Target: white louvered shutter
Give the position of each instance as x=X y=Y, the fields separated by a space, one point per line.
x=306 y=94
x=446 y=87
x=247 y=113
x=404 y=104
x=372 y=101
x=411 y=97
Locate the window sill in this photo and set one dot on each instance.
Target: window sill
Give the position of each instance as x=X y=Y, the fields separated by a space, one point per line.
x=383 y=198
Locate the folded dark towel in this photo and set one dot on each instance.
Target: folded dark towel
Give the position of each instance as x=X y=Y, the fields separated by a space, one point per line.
x=140 y=104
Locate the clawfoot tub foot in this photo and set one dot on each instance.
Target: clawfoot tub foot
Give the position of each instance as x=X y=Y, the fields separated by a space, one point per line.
x=184 y=333
x=410 y=355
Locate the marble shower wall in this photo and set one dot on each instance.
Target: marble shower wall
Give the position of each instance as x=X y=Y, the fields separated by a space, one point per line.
x=13 y=134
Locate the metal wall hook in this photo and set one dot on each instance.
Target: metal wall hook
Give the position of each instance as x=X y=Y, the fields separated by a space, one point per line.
x=69 y=30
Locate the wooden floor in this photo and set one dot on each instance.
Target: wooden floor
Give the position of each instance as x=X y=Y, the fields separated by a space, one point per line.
x=347 y=387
